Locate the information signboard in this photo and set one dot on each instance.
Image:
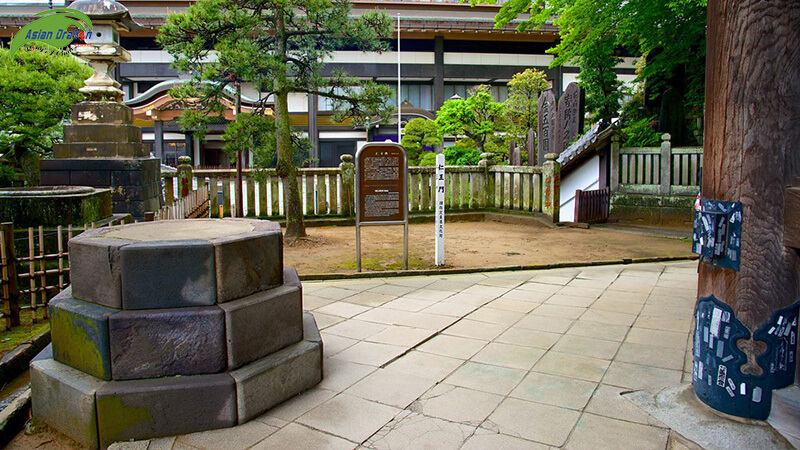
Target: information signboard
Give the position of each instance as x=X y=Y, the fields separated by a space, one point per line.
x=381 y=191
x=382 y=173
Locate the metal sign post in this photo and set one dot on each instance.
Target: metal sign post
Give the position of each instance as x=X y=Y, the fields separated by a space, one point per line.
x=381 y=191
x=440 y=188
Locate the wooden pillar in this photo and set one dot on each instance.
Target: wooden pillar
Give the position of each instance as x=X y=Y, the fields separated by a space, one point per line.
x=158 y=132
x=665 y=165
x=751 y=154
x=613 y=181
x=438 y=72
x=348 y=173
x=313 y=128
x=10 y=289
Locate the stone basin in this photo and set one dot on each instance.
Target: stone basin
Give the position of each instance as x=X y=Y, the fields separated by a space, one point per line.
x=51 y=206
x=53 y=191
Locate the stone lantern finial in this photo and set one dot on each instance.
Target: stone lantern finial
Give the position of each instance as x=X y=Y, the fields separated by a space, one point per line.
x=103 y=50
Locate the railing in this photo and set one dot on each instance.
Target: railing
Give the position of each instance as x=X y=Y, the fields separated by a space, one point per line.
x=592 y=206
x=193 y=206
x=35 y=267
x=328 y=191
x=656 y=170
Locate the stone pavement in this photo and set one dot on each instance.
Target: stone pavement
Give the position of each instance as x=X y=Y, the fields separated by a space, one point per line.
x=505 y=360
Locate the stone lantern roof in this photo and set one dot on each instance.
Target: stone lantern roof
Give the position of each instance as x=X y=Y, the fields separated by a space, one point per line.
x=106 y=10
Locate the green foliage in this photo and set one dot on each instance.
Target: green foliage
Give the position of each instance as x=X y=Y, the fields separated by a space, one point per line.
x=420 y=133
x=7 y=174
x=670 y=34
x=428 y=159
x=642 y=133
x=478 y=117
x=523 y=97
x=36 y=91
x=262 y=41
x=639 y=124
x=603 y=88
x=279 y=47
x=461 y=156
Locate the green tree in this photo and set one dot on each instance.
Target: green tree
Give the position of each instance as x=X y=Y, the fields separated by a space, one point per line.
x=669 y=34
x=478 y=117
x=597 y=76
x=37 y=89
x=279 y=47
x=523 y=97
x=420 y=133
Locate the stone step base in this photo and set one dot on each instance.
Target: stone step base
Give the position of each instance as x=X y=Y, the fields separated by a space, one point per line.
x=103 y=412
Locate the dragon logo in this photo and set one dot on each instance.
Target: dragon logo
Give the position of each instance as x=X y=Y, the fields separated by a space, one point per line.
x=51 y=29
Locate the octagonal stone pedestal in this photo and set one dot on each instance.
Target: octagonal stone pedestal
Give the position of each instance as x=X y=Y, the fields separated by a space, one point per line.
x=174 y=327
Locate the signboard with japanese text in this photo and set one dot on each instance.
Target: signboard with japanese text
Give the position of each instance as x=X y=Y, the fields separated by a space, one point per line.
x=382 y=174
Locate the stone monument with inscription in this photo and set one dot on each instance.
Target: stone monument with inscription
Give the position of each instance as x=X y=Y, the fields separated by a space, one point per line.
x=569 y=123
x=136 y=354
x=547 y=125
x=102 y=148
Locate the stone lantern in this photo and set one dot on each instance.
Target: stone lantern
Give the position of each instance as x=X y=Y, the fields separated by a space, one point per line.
x=102 y=148
x=103 y=50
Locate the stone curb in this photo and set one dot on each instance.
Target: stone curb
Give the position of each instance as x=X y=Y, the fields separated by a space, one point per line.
x=558 y=265
x=14 y=416
x=430 y=217
x=16 y=361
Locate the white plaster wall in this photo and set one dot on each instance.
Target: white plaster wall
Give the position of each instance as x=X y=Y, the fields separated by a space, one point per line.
x=496 y=59
x=298 y=102
x=585 y=177
x=357 y=57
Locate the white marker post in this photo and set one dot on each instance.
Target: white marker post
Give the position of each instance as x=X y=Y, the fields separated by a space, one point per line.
x=440 y=187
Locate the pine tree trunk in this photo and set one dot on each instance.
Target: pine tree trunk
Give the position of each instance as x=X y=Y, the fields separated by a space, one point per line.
x=295 y=227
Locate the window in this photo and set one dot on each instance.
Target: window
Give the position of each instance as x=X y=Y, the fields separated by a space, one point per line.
x=419 y=95
x=172 y=150
x=499 y=92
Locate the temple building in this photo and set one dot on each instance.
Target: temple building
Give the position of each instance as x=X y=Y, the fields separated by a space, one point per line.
x=446 y=48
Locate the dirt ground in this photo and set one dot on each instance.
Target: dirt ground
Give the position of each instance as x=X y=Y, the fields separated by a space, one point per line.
x=470 y=245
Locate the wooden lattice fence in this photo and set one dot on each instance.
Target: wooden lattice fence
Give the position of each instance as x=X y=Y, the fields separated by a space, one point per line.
x=34 y=263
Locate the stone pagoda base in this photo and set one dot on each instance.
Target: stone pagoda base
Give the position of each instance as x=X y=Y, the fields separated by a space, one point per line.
x=174 y=327
x=103 y=149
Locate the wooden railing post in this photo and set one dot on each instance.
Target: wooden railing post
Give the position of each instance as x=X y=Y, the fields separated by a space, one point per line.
x=185 y=176
x=169 y=190
x=10 y=289
x=666 y=165
x=614 y=175
x=348 y=170
x=488 y=182
x=551 y=171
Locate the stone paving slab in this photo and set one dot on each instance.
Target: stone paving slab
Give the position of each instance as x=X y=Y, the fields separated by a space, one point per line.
x=526 y=359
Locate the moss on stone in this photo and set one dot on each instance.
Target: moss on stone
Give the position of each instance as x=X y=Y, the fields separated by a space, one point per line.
x=115 y=419
x=78 y=340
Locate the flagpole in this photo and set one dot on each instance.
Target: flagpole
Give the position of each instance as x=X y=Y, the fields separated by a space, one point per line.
x=399 y=105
